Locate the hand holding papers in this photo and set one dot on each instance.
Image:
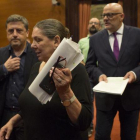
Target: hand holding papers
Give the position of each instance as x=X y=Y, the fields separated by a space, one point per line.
x=66 y=49
x=47 y=83
x=115 y=85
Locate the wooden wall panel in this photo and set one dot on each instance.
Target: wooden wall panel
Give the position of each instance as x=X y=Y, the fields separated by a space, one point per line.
x=72 y=18
x=130 y=12
x=33 y=10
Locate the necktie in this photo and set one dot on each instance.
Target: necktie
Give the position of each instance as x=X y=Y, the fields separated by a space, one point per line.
x=116 y=46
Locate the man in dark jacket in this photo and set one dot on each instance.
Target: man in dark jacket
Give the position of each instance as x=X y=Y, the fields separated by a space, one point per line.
x=117 y=50
x=16 y=61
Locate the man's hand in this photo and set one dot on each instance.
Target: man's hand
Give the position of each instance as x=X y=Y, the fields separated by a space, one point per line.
x=12 y=64
x=103 y=77
x=130 y=75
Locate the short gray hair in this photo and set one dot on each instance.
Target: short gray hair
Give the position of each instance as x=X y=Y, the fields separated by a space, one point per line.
x=51 y=28
x=16 y=18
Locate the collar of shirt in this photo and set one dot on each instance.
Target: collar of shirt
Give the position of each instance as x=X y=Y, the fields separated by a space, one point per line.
x=88 y=36
x=119 y=37
x=24 y=52
x=119 y=31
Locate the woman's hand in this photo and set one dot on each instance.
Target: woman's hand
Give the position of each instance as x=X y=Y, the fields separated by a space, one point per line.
x=62 y=79
x=6 y=130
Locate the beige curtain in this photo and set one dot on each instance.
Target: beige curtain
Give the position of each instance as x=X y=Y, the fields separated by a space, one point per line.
x=84 y=16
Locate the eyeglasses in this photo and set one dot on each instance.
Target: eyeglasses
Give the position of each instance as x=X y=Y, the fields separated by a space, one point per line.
x=96 y=23
x=109 y=15
x=47 y=83
x=60 y=63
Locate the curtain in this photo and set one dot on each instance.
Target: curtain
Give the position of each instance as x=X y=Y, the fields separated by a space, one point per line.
x=130 y=11
x=84 y=17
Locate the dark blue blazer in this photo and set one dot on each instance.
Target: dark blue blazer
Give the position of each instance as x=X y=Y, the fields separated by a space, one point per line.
x=129 y=60
x=30 y=60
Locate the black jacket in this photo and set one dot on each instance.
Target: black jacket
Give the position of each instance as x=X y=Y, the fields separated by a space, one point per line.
x=30 y=60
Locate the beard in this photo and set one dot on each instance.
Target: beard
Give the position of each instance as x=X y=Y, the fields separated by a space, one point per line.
x=93 y=30
x=15 y=42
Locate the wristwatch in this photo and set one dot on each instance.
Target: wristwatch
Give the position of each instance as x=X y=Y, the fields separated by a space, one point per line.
x=68 y=102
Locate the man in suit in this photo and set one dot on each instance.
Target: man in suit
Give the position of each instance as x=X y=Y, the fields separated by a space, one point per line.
x=16 y=61
x=117 y=50
x=93 y=27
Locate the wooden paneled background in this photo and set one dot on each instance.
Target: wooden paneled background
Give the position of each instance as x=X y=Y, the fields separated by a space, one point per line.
x=67 y=13
x=33 y=10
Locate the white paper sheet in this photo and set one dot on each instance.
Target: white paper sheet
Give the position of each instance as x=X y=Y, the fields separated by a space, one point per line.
x=115 y=85
x=67 y=49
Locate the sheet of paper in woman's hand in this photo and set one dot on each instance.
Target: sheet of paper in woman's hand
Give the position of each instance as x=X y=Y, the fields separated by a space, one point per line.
x=67 y=49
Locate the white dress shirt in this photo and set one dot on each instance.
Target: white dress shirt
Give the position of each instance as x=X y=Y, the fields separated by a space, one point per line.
x=119 y=36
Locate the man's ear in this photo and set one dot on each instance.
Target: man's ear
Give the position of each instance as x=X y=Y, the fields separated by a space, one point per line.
x=122 y=16
x=56 y=41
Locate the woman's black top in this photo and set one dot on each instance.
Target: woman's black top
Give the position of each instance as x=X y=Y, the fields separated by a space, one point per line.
x=50 y=121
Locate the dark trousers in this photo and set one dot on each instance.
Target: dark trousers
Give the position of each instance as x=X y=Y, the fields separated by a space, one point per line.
x=92 y=100
x=18 y=131
x=128 y=121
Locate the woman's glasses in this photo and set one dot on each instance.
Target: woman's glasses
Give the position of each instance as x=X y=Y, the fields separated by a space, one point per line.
x=60 y=63
x=47 y=84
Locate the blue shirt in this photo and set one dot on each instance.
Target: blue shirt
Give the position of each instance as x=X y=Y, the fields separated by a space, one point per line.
x=16 y=82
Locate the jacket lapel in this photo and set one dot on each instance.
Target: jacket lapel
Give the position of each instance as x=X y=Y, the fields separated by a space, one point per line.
x=107 y=44
x=6 y=54
x=124 y=41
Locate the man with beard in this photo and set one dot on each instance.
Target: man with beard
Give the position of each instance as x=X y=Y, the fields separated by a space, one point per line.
x=16 y=61
x=93 y=27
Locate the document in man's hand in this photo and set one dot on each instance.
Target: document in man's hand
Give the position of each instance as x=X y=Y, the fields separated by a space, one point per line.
x=115 y=85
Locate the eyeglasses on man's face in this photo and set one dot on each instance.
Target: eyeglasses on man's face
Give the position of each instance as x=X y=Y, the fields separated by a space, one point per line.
x=95 y=23
x=109 y=15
